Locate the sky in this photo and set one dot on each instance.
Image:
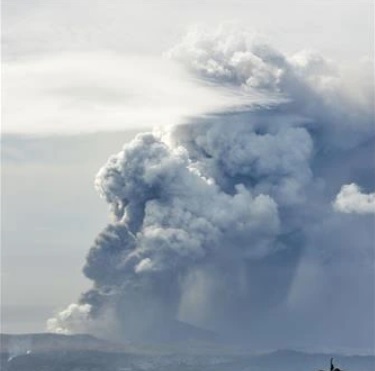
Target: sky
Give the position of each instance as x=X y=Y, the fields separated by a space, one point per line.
x=81 y=78
x=47 y=191
x=83 y=66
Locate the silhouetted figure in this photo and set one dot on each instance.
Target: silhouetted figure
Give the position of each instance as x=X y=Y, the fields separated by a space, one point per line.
x=332 y=367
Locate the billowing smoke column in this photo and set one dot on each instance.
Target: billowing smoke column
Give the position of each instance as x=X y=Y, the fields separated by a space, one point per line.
x=214 y=219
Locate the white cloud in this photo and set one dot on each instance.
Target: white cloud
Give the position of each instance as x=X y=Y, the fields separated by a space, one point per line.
x=351 y=199
x=102 y=91
x=75 y=314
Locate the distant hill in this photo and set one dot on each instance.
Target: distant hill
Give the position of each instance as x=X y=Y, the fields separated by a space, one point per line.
x=51 y=352
x=45 y=342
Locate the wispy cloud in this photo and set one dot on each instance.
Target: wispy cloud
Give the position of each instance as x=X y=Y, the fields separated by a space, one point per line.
x=88 y=92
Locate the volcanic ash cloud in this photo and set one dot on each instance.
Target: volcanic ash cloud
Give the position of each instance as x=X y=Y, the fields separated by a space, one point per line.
x=212 y=218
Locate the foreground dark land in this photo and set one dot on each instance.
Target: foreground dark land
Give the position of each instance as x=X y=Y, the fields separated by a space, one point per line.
x=48 y=352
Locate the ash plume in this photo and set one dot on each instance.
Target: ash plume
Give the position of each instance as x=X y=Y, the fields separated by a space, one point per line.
x=215 y=220
x=350 y=199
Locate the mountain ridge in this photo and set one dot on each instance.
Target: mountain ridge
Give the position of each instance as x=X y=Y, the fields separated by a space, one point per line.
x=58 y=352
